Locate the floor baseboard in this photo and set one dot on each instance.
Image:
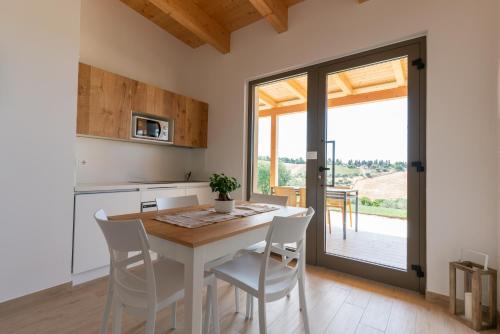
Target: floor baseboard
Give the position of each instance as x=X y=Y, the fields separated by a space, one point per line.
x=437 y=298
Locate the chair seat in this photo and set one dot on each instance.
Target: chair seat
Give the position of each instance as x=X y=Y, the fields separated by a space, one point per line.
x=261 y=246
x=244 y=272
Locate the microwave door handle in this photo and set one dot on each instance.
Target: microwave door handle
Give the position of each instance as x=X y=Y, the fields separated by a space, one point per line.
x=159 y=129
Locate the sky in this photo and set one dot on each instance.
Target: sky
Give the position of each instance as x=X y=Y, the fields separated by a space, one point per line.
x=361 y=132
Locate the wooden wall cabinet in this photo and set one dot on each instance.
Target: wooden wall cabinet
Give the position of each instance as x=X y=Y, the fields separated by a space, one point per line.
x=191 y=122
x=106 y=102
x=104 y=108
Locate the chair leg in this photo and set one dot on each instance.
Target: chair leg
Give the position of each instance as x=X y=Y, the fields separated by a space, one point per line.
x=303 y=305
x=117 y=317
x=247 y=308
x=107 y=309
x=350 y=213
x=173 y=319
x=251 y=307
x=214 y=307
x=237 y=299
x=262 y=316
x=329 y=220
x=150 y=321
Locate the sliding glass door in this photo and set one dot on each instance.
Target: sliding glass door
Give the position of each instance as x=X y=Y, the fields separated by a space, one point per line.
x=370 y=158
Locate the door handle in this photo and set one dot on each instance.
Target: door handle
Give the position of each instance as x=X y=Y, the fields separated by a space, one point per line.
x=418 y=166
x=322 y=169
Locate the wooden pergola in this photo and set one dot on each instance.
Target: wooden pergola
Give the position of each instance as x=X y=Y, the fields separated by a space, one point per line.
x=378 y=82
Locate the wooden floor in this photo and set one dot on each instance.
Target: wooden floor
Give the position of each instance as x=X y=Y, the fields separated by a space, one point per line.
x=379 y=240
x=337 y=304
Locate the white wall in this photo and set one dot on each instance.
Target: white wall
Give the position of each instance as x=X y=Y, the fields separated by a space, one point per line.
x=39 y=43
x=461 y=100
x=115 y=161
x=116 y=38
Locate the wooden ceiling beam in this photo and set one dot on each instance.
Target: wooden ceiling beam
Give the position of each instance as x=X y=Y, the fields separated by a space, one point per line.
x=267 y=99
x=399 y=74
x=296 y=88
x=192 y=17
x=343 y=83
x=275 y=11
x=340 y=101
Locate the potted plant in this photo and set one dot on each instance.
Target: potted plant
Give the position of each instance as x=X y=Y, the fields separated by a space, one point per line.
x=224 y=185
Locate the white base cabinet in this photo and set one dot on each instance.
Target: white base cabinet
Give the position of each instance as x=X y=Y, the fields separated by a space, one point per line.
x=151 y=194
x=205 y=194
x=90 y=250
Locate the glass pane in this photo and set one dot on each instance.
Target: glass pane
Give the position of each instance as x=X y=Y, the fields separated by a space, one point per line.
x=366 y=205
x=281 y=139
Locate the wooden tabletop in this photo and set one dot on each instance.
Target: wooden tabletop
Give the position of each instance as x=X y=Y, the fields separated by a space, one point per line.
x=194 y=237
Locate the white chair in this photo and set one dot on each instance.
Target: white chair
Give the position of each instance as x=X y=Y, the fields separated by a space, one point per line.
x=165 y=203
x=268 y=279
x=147 y=289
x=258 y=247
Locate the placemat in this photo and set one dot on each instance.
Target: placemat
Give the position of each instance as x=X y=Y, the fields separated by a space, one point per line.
x=199 y=218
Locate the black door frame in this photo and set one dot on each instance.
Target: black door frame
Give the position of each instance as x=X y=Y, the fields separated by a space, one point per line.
x=315 y=135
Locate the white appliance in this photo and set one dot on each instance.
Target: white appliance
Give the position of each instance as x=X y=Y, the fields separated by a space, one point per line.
x=155 y=129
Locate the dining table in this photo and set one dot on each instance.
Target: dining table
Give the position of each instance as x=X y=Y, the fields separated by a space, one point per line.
x=195 y=247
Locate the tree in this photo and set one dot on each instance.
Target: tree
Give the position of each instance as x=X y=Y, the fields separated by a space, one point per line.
x=263 y=177
x=284 y=174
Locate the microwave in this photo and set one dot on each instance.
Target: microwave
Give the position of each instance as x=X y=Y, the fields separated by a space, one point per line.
x=150 y=128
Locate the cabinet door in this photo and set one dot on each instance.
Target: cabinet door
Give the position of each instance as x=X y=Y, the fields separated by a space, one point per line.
x=191 y=122
x=152 y=194
x=205 y=194
x=152 y=100
x=104 y=103
x=89 y=249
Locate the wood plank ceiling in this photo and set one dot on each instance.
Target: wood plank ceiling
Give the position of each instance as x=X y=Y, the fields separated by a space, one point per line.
x=196 y=22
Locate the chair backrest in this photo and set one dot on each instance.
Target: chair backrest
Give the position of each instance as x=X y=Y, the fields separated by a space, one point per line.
x=288 y=192
x=285 y=230
x=269 y=199
x=123 y=237
x=165 y=203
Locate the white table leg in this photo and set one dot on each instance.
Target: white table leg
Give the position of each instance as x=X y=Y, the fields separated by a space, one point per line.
x=193 y=284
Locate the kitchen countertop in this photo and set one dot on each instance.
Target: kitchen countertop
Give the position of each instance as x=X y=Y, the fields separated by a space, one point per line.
x=117 y=186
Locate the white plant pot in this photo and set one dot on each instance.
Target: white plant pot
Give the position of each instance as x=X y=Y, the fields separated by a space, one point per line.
x=224 y=206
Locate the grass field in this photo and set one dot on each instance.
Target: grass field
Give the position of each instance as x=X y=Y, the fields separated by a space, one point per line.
x=380 y=211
